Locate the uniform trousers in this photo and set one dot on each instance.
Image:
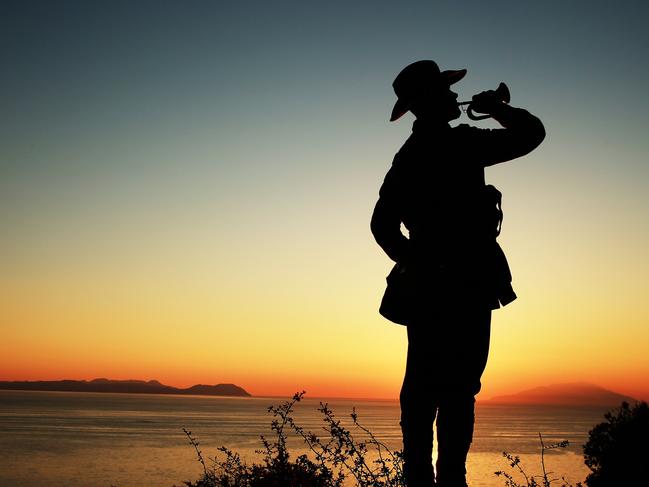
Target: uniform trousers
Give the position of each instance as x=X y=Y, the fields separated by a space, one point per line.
x=447 y=353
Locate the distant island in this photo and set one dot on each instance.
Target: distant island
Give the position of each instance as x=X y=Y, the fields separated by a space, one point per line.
x=124 y=386
x=569 y=394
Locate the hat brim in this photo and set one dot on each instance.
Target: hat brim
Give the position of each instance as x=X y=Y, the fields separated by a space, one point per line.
x=399 y=109
x=453 y=76
x=402 y=106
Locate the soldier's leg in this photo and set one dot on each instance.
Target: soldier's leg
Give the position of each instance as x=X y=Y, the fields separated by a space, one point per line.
x=455 y=422
x=455 y=419
x=418 y=409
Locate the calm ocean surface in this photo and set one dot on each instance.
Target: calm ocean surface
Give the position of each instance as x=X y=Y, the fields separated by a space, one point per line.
x=93 y=440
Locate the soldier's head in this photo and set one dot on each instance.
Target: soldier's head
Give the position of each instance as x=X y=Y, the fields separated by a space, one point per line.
x=426 y=91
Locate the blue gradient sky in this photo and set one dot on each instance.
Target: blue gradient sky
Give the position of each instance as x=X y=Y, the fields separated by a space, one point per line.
x=181 y=173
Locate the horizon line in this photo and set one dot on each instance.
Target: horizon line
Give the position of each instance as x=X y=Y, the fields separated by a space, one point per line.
x=288 y=396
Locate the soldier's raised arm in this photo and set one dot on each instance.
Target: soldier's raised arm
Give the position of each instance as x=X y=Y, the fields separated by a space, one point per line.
x=522 y=132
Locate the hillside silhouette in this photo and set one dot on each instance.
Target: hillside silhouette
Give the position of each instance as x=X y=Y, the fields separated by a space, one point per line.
x=124 y=386
x=566 y=394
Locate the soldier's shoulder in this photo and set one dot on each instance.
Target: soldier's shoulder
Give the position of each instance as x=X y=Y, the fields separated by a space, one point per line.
x=469 y=133
x=405 y=153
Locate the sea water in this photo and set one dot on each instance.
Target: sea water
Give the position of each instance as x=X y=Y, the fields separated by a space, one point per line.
x=102 y=440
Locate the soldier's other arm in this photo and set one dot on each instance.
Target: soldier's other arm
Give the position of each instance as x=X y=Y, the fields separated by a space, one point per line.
x=386 y=220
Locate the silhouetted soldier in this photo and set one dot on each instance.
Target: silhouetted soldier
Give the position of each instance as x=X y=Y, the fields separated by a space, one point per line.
x=450 y=272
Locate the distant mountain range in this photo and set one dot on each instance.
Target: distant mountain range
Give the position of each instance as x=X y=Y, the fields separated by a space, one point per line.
x=570 y=394
x=128 y=386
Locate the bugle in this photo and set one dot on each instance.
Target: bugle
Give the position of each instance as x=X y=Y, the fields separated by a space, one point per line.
x=502 y=92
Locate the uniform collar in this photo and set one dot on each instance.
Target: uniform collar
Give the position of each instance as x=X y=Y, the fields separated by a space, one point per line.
x=429 y=126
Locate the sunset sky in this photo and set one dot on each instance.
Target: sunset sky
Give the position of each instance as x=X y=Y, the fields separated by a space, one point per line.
x=186 y=188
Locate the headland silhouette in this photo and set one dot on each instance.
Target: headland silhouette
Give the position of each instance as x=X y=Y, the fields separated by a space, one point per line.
x=125 y=386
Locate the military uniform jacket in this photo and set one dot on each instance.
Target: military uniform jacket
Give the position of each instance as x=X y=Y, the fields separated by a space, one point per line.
x=436 y=189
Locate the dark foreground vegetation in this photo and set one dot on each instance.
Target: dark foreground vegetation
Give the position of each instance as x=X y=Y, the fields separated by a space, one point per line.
x=617 y=453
